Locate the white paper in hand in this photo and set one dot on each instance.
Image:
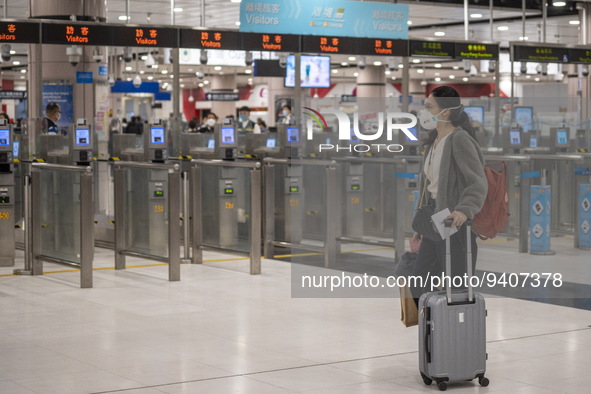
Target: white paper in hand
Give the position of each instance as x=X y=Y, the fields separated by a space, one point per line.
x=439 y=219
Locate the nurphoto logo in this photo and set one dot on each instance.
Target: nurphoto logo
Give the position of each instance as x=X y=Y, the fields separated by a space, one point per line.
x=389 y=121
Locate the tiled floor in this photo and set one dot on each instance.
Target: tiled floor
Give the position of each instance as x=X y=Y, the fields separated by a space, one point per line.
x=220 y=330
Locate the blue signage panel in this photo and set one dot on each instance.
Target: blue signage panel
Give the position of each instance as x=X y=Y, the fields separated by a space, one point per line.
x=584 y=220
x=83 y=76
x=325 y=17
x=539 y=227
x=64 y=96
x=103 y=71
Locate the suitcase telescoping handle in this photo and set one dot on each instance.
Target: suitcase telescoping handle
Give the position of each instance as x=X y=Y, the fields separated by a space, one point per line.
x=468 y=224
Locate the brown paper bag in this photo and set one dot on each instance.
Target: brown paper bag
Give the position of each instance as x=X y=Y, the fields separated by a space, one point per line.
x=409 y=314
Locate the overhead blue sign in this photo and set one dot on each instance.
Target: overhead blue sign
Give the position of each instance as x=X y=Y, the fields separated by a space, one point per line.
x=325 y=17
x=83 y=76
x=145 y=87
x=103 y=71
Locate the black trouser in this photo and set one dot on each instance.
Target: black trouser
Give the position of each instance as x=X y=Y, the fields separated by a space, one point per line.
x=431 y=260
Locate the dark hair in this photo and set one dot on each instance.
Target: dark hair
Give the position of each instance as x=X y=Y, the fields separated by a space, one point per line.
x=52 y=107
x=286 y=106
x=244 y=108
x=261 y=122
x=448 y=97
x=192 y=124
x=5 y=116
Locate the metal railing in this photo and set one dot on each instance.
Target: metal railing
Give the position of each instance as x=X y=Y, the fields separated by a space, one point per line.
x=62 y=218
x=227 y=213
x=147 y=215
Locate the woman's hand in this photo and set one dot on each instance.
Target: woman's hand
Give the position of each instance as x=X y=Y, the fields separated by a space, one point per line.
x=416 y=237
x=458 y=218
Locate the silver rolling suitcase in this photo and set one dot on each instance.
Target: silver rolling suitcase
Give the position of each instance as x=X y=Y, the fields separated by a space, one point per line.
x=452 y=330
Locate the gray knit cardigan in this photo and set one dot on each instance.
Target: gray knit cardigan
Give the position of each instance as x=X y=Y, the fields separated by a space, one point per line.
x=462 y=183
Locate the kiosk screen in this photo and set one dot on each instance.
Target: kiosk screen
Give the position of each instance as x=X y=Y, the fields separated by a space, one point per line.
x=293 y=135
x=476 y=114
x=211 y=143
x=227 y=135
x=157 y=134
x=82 y=136
x=270 y=142
x=515 y=137
x=524 y=116
x=561 y=137
x=15 y=147
x=4 y=137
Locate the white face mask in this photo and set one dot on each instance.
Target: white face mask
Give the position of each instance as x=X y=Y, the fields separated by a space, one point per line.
x=429 y=121
x=210 y=122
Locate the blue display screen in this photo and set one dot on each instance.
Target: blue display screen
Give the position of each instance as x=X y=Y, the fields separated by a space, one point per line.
x=475 y=113
x=4 y=137
x=82 y=136
x=270 y=142
x=157 y=135
x=15 y=147
x=515 y=137
x=561 y=137
x=227 y=135
x=211 y=143
x=524 y=116
x=293 y=135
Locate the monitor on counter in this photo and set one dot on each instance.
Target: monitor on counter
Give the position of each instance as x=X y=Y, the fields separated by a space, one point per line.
x=515 y=137
x=475 y=113
x=228 y=135
x=562 y=137
x=82 y=136
x=293 y=135
x=15 y=147
x=5 y=136
x=314 y=71
x=157 y=135
x=270 y=142
x=211 y=143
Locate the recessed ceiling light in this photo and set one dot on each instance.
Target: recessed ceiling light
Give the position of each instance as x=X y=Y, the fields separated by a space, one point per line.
x=335 y=71
x=456 y=67
x=238 y=23
x=123 y=17
x=420 y=71
x=23 y=71
x=128 y=79
x=559 y=3
x=437 y=74
x=177 y=9
x=236 y=1
x=416 y=61
x=503 y=28
x=22 y=77
x=217 y=68
x=409 y=23
x=248 y=71
x=155 y=66
x=528 y=76
x=344 y=64
x=377 y=63
x=537 y=79
x=476 y=16
x=352 y=58
x=12 y=52
x=128 y=68
x=16 y=63
x=452 y=77
x=182 y=85
x=401 y=65
x=574 y=22
x=465 y=79
x=439 y=33
x=437 y=79
x=200 y=85
x=437 y=65
x=144 y=57
x=190 y=70
x=394 y=78
x=206 y=82
x=387 y=72
x=171 y=75
x=523 y=38
x=356 y=74
x=164 y=71
x=150 y=77
x=142 y=72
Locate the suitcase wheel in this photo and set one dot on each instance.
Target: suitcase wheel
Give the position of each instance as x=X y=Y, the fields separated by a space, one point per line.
x=442 y=386
x=483 y=381
x=426 y=379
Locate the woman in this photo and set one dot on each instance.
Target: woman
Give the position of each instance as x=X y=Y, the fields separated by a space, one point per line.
x=209 y=124
x=452 y=177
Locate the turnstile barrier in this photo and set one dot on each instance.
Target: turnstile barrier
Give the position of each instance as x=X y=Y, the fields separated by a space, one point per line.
x=147 y=214
x=62 y=218
x=227 y=209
